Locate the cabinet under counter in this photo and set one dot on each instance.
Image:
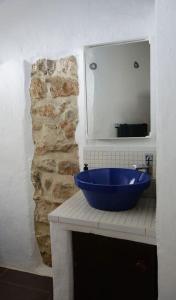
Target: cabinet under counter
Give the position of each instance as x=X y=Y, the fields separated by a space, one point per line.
x=75 y=215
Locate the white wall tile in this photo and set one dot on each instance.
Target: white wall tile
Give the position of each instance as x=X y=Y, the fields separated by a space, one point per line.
x=98 y=158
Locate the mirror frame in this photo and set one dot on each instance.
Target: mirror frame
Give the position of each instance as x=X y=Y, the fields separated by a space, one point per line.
x=145 y=39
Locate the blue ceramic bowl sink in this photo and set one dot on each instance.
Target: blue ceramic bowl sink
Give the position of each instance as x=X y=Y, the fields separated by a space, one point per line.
x=112 y=189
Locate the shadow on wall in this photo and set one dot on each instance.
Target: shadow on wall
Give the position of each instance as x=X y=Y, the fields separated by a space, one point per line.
x=29 y=150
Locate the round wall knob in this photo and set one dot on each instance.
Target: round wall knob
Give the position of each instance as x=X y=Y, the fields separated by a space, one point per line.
x=93 y=66
x=136 y=65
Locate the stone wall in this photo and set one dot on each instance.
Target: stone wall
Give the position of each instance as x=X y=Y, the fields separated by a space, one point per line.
x=54 y=89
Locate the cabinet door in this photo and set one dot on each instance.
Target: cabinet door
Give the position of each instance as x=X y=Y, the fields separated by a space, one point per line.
x=106 y=268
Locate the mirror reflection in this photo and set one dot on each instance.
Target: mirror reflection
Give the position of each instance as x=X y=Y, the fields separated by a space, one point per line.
x=118 y=90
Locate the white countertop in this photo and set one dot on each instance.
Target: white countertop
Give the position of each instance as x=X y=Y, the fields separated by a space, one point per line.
x=137 y=224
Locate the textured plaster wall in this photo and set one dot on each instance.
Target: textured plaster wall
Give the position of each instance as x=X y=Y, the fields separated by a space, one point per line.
x=30 y=30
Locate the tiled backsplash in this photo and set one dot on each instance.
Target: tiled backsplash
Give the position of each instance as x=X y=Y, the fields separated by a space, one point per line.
x=99 y=157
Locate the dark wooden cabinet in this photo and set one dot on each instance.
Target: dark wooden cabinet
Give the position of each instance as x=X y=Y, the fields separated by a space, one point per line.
x=112 y=269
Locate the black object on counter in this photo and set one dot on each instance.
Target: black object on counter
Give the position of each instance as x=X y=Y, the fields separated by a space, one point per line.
x=132 y=130
x=85 y=167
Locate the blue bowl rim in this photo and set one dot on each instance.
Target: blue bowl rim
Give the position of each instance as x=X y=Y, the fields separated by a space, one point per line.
x=147 y=180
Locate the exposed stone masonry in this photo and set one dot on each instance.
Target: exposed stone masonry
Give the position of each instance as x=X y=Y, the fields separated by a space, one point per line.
x=54 y=89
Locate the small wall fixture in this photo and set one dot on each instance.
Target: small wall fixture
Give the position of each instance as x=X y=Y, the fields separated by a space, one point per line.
x=136 y=65
x=93 y=66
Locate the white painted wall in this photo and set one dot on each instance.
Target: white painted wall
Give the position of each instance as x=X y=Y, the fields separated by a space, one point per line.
x=31 y=29
x=166 y=147
x=116 y=91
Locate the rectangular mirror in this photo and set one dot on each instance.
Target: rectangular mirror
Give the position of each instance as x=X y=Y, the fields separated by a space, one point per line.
x=118 y=90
